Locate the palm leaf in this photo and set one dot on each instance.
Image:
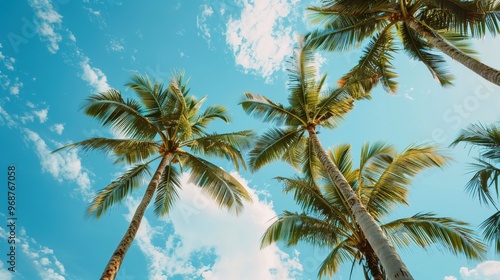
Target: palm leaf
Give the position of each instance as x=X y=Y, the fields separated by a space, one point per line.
x=217 y=183
x=338 y=255
x=210 y=114
x=123 y=116
x=119 y=189
x=260 y=107
x=272 y=145
x=391 y=187
x=166 y=192
x=127 y=150
x=228 y=145
x=375 y=63
x=332 y=107
x=293 y=227
x=418 y=49
x=425 y=229
x=491 y=230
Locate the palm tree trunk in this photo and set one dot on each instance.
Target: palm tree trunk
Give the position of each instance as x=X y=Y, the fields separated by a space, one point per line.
x=117 y=258
x=483 y=70
x=373 y=262
x=392 y=263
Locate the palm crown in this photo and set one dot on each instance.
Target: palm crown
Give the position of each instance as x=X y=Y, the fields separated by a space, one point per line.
x=167 y=122
x=484 y=183
x=310 y=106
x=421 y=25
x=381 y=181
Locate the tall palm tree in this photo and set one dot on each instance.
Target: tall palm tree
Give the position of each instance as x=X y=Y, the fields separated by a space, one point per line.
x=421 y=25
x=485 y=181
x=294 y=140
x=165 y=125
x=381 y=182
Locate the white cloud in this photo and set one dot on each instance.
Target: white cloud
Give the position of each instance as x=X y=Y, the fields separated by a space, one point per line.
x=6 y=119
x=42 y=115
x=30 y=104
x=14 y=89
x=259 y=39
x=488 y=270
x=94 y=76
x=64 y=165
x=57 y=128
x=4 y=273
x=201 y=22
x=72 y=36
x=235 y=256
x=47 y=22
x=116 y=45
x=43 y=258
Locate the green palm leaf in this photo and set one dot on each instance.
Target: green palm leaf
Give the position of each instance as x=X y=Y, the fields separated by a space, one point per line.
x=119 y=189
x=425 y=229
x=127 y=150
x=217 y=183
x=418 y=49
x=166 y=193
x=491 y=230
x=272 y=145
x=228 y=145
x=338 y=255
x=260 y=107
x=123 y=116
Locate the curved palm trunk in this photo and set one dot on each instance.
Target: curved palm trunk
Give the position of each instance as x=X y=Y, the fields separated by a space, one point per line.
x=392 y=263
x=117 y=258
x=483 y=70
x=372 y=262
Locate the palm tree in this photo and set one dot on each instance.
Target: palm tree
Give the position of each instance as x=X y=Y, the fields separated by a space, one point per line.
x=484 y=182
x=295 y=140
x=381 y=182
x=166 y=124
x=421 y=25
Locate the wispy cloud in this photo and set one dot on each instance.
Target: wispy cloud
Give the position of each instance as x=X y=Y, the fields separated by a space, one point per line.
x=488 y=270
x=43 y=115
x=65 y=165
x=47 y=22
x=57 y=128
x=44 y=260
x=201 y=22
x=14 y=89
x=93 y=76
x=6 y=119
x=236 y=256
x=261 y=38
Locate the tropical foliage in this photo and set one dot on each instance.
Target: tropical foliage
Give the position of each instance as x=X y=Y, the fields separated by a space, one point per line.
x=164 y=128
x=294 y=139
x=484 y=183
x=420 y=26
x=381 y=182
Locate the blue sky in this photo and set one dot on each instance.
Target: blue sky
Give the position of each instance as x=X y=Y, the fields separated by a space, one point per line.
x=53 y=54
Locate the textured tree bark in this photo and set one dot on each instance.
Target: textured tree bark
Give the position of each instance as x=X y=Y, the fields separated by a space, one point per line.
x=117 y=258
x=483 y=70
x=392 y=263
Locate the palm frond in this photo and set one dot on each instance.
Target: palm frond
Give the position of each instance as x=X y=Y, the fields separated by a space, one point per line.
x=124 y=116
x=425 y=229
x=260 y=107
x=227 y=145
x=119 y=189
x=491 y=230
x=339 y=254
x=418 y=49
x=210 y=114
x=151 y=94
x=341 y=32
x=391 y=187
x=166 y=192
x=302 y=77
x=375 y=63
x=217 y=183
x=480 y=185
x=332 y=107
x=272 y=145
x=294 y=227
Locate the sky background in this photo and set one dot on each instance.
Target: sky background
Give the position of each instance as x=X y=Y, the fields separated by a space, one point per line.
x=53 y=54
